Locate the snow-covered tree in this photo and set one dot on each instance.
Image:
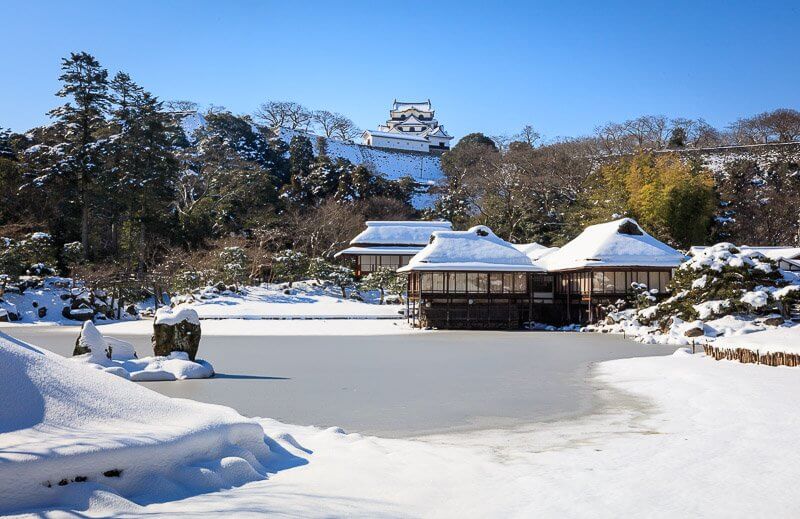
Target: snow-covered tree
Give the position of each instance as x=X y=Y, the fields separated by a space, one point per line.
x=380 y=279
x=234 y=265
x=289 y=265
x=722 y=280
x=77 y=159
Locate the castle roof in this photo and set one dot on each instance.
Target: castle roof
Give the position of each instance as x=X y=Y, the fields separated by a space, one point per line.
x=400 y=106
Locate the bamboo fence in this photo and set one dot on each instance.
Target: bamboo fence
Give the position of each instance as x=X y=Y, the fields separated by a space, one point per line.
x=747 y=356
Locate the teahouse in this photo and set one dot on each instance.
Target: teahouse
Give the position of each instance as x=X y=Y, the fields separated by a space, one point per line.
x=389 y=244
x=470 y=279
x=599 y=267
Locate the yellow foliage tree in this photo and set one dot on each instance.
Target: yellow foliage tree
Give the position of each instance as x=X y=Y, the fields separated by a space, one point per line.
x=674 y=200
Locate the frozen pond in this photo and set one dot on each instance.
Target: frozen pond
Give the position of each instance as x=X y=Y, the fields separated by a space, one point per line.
x=391 y=385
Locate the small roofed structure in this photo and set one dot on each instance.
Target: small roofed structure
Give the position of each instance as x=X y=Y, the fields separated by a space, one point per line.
x=601 y=265
x=389 y=244
x=470 y=279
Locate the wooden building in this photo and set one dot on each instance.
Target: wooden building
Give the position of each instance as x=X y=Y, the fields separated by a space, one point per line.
x=389 y=244
x=600 y=266
x=471 y=279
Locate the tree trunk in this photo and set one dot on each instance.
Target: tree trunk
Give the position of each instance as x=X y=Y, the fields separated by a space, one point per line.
x=142 y=252
x=381 y=295
x=85 y=227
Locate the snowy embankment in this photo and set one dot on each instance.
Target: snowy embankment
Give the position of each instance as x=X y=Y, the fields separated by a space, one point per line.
x=777 y=340
x=74 y=437
x=304 y=300
x=681 y=436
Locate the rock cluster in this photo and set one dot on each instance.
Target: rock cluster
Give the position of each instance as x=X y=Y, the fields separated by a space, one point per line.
x=176 y=329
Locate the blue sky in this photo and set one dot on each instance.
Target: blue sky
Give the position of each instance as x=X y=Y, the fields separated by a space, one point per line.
x=564 y=67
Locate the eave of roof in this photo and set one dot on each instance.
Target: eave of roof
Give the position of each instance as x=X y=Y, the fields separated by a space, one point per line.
x=380 y=250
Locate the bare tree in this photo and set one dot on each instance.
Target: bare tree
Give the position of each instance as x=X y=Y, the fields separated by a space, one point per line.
x=283 y=114
x=179 y=105
x=528 y=135
x=325 y=121
x=344 y=128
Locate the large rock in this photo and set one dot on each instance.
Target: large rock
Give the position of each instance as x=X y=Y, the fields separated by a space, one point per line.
x=773 y=320
x=695 y=331
x=91 y=342
x=176 y=329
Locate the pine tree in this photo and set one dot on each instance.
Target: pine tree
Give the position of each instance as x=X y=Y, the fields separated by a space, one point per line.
x=380 y=279
x=142 y=165
x=289 y=265
x=78 y=161
x=301 y=159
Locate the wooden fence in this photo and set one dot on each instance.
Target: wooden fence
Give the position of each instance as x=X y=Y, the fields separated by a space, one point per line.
x=747 y=356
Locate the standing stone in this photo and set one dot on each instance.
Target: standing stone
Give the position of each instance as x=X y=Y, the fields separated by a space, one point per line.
x=176 y=329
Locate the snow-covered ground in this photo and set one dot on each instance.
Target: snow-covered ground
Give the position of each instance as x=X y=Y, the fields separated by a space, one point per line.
x=303 y=300
x=68 y=433
x=786 y=340
x=681 y=436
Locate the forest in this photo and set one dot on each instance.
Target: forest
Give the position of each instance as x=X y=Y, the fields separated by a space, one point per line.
x=119 y=188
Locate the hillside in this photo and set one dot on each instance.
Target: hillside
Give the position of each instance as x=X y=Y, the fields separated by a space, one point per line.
x=425 y=169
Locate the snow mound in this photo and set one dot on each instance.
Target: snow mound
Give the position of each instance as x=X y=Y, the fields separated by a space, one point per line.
x=173 y=316
x=67 y=432
x=119 y=358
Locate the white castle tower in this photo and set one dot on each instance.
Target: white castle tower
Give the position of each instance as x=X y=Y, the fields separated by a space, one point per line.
x=411 y=127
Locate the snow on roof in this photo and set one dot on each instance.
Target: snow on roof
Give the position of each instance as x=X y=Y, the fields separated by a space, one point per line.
x=401 y=232
x=774 y=252
x=395 y=135
x=401 y=105
x=379 y=251
x=525 y=248
x=439 y=132
x=620 y=243
x=534 y=251
x=476 y=249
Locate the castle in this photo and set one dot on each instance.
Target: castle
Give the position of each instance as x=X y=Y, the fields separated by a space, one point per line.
x=411 y=127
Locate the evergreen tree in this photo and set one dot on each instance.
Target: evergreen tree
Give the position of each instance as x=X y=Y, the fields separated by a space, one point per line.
x=380 y=279
x=78 y=160
x=301 y=159
x=677 y=138
x=143 y=166
x=289 y=265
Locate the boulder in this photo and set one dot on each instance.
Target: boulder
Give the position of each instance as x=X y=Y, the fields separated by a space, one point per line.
x=91 y=342
x=694 y=331
x=774 y=320
x=176 y=329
